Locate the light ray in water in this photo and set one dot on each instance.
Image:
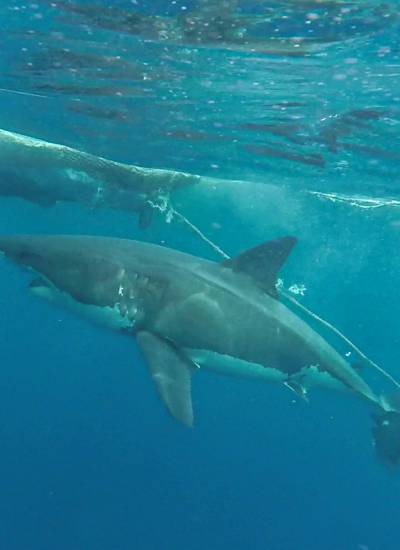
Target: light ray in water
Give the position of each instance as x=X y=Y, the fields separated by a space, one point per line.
x=358 y=201
x=29 y=94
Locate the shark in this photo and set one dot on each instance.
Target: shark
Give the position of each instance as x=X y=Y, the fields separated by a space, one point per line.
x=48 y=173
x=188 y=313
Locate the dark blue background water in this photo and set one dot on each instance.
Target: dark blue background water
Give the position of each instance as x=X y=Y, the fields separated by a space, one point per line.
x=89 y=459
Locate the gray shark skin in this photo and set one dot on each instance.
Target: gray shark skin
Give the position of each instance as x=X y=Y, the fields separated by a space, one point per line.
x=49 y=173
x=188 y=313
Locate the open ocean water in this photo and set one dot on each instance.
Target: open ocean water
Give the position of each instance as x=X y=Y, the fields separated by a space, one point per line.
x=294 y=107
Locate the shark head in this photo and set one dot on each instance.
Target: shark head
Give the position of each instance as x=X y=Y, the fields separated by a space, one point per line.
x=88 y=277
x=79 y=277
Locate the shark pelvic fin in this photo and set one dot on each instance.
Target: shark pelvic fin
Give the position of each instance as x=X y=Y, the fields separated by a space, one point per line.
x=263 y=262
x=171 y=372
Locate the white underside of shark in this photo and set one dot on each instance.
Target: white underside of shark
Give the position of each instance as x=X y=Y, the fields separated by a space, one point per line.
x=111 y=317
x=308 y=377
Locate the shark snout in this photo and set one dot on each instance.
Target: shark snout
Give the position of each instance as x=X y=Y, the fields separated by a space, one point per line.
x=19 y=250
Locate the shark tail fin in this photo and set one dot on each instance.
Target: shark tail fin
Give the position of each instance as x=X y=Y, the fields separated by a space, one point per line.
x=386 y=436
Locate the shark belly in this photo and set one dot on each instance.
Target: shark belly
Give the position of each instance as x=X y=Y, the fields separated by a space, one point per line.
x=308 y=377
x=107 y=316
x=234 y=366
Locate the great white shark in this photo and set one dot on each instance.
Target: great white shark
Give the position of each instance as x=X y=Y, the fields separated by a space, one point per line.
x=188 y=313
x=50 y=173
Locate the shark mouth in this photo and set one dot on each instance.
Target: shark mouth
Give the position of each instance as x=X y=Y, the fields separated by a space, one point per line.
x=38 y=283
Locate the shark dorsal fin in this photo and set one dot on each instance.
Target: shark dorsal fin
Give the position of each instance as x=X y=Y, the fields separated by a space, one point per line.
x=263 y=262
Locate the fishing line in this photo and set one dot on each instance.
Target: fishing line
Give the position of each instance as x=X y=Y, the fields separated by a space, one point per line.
x=307 y=311
x=342 y=337
x=171 y=212
x=197 y=231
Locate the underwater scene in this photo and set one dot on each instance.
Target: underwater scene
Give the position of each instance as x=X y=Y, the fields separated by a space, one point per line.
x=200 y=266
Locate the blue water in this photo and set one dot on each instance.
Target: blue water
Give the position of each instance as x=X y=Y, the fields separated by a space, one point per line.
x=89 y=459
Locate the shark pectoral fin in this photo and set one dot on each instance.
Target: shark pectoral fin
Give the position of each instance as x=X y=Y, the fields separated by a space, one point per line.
x=171 y=373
